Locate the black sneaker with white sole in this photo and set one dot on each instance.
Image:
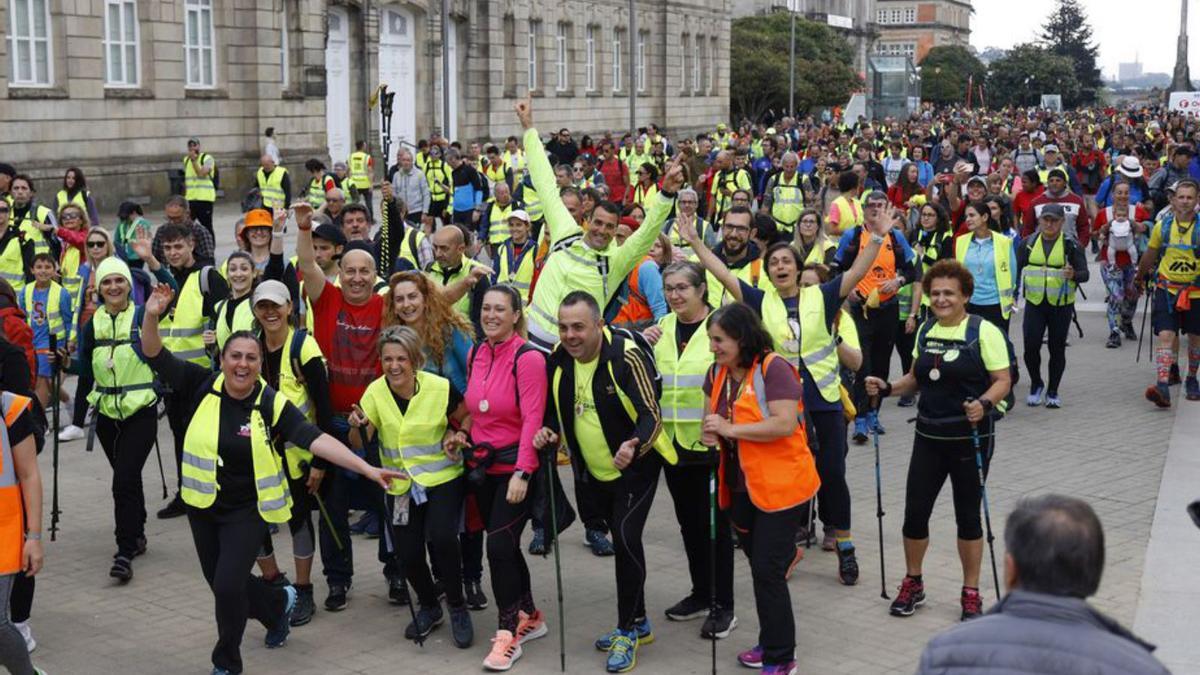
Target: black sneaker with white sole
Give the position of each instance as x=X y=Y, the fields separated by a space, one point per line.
x=691 y=607
x=719 y=624
x=336 y=601
x=428 y=618
x=122 y=569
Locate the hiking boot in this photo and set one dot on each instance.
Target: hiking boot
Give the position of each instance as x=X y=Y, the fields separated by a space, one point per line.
x=719 y=624
x=910 y=596
x=907 y=401
x=173 y=509
x=622 y=652
x=428 y=618
x=691 y=607
x=847 y=565
x=828 y=541
x=537 y=545
x=1053 y=401
x=303 y=612
x=599 y=543
x=1037 y=396
x=1173 y=379
x=788 y=668
x=505 y=652
x=1114 y=340
x=277 y=636
x=26 y=634
x=1130 y=334
x=473 y=592
x=461 y=628
x=336 y=600
x=860 y=430
x=71 y=433
x=751 y=658
x=397 y=591
x=122 y=569
x=1192 y=388
x=796 y=558
x=1159 y=394
x=531 y=626
x=972 y=604
x=645 y=635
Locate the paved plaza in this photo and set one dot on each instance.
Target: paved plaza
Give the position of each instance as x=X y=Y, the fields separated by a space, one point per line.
x=1107 y=445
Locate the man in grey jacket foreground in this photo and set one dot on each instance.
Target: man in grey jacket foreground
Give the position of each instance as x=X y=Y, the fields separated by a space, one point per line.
x=1044 y=625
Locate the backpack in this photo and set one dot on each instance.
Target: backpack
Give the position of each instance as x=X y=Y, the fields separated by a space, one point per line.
x=974 y=322
x=18 y=332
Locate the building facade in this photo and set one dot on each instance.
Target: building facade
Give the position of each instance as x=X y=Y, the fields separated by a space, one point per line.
x=116 y=87
x=913 y=27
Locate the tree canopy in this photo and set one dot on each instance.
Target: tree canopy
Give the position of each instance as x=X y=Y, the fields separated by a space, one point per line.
x=945 y=72
x=1069 y=34
x=1028 y=71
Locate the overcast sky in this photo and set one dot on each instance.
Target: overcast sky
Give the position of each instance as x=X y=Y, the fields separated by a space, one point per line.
x=1145 y=29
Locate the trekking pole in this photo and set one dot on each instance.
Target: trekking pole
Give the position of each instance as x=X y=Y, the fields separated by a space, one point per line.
x=161 y=473
x=987 y=511
x=412 y=601
x=879 y=514
x=712 y=554
x=55 y=512
x=1142 y=333
x=550 y=467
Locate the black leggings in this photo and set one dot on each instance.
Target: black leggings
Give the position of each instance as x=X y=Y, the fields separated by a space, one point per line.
x=877 y=333
x=932 y=462
x=300 y=524
x=127 y=444
x=992 y=313
x=1040 y=319
x=227 y=545
x=435 y=521
x=769 y=542
x=833 y=503
x=688 y=484
x=505 y=522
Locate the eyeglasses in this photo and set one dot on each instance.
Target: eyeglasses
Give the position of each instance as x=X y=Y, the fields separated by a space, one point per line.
x=97 y=244
x=680 y=288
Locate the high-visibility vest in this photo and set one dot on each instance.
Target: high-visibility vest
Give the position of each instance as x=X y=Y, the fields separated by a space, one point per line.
x=63 y=198
x=292 y=385
x=816 y=256
x=68 y=269
x=54 y=320
x=201 y=455
x=316 y=191
x=243 y=319
x=515 y=161
x=780 y=474
x=421 y=159
x=751 y=273
x=643 y=194
x=733 y=180
x=12 y=501
x=360 y=176
x=516 y=271
x=497 y=217
x=883 y=268
x=636 y=308
x=29 y=227
x=494 y=175
x=124 y=383
x=183 y=330
x=633 y=161
x=271 y=187
x=814 y=347
x=850 y=213
x=435 y=272
x=533 y=203
x=12 y=264
x=412 y=441
x=1002 y=251
x=683 y=375
x=787 y=201
x=199 y=188
x=438 y=174
x=1044 y=277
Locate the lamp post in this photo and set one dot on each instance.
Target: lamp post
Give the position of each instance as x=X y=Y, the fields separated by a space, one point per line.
x=633 y=70
x=793 y=5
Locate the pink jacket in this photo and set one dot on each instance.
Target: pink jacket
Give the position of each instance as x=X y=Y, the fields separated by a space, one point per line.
x=505 y=422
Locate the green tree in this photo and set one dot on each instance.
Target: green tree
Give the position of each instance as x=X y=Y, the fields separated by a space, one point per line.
x=1027 y=72
x=1069 y=34
x=758 y=65
x=945 y=72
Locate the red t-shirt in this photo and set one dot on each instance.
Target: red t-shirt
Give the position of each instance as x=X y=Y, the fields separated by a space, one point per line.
x=347 y=336
x=1140 y=215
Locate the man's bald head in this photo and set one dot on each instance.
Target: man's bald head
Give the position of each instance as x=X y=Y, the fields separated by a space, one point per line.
x=449 y=243
x=267 y=162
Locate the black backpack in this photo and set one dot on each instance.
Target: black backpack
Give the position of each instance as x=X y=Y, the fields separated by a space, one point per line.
x=974 y=322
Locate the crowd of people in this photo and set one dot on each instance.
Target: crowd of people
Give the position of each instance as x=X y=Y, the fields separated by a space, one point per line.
x=719 y=311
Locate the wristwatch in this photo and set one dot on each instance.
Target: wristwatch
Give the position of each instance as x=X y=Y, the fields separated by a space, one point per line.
x=876 y=238
x=987 y=405
x=522 y=474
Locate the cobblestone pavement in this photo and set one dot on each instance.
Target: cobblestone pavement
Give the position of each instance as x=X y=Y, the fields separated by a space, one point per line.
x=1106 y=445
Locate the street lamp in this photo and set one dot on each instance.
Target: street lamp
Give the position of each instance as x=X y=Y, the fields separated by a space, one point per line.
x=793 y=7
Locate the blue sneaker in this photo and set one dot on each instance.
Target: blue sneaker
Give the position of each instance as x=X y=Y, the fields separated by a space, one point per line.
x=860 y=430
x=599 y=543
x=645 y=635
x=622 y=653
x=537 y=544
x=277 y=636
x=1036 y=396
x=874 y=424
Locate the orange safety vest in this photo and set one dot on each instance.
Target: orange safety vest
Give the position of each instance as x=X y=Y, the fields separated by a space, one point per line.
x=780 y=474
x=636 y=307
x=12 y=506
x=882 y=269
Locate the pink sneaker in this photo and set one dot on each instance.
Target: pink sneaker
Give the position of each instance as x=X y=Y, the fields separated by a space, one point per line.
x=531 y=626
x=751 y=658
x=505 y=652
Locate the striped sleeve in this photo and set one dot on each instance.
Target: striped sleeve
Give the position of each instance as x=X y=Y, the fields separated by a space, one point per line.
x=639 y=387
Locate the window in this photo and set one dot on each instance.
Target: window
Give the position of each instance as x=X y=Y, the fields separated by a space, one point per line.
x=535 y=29
x=697 y=57
x=896 y=48
x=712 y=65
x=560 y=58
x=685 y=43
x=120 y=43
x=616 y=60
x=589 y=70
x=283 y=45
x=29 y=43
x=198 y=43
x=895 y=16
x=881 y=16
x=910 y=15
x=641 y=61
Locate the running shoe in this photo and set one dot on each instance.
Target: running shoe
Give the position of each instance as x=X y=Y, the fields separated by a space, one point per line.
x=972 y=603
x=599 y=543
x=26 y=634
x=173 y=509
x=860 y=430
x=428 y=618
x=910 y=596
x=1159 y=394
x=645 y=635
x=461 y=628
x=1192 y=388
x=220 y=671
x=305 y=607
x=397 y=591
x=505 y=652
x=1037 y=396
x=847 y=565
x=336 y=601
x=367 y=525
x=277 y=636
x=874 y=424
x=1114 y=340
x=531 y=626
x=691 y=607
x=473 y=592
x=788 y=668
x=907 y=401
x=71 y=433
x=719 y=624
x=1053 y=401
x=622 y=652
x=122 y=569
x=751 y=658
x=537 y=545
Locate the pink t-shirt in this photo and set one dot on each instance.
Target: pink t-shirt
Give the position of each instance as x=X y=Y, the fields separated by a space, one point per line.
x=504 y=422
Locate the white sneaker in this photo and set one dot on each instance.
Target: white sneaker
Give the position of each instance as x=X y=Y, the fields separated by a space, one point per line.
x=71 y=433
x=27 y=633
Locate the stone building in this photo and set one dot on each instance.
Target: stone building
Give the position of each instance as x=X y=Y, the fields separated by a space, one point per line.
x=116 y=87
x=911 y=27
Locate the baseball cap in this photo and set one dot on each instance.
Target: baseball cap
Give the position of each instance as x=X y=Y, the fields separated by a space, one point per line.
x=977 y=179
x=330 y=233
x=519 y=215
x=1055 y=211
x=1050 y=148
x=258 y=218
x=272 y=291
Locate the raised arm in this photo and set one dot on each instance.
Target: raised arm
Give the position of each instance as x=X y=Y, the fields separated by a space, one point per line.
x=630 y=254
x=306 y=259
x=709 y=260
x=876 y=230
x=541 y=174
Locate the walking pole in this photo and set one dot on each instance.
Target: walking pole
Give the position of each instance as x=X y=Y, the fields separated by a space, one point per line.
x=412 y=601
x=1142 y=333
x=161 y=474
x=987 y=511
x=712 y=554
x=551 y=466
x=54 y=384
x=879 y=514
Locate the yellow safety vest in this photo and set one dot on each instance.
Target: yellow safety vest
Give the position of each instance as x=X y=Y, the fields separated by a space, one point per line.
x=732 y=180
x=201 y=455
x=54 y=320
x=1043 y=277
x=62 y=199
x=124 y=383
x=243 y=319
x=271 y=187
x=316 y=192
x=434 y=272
x=68 y=269
x=642 y=195
x=199 y=188
x=1002 y=252
x=520 y=278
x=846 y=207
x=533 y=203
x=494 y=174
x=292 y=385
x=515 y=161
x=438 y=173
x=498 y=222
x=814 y=348
x=683 y=375
x=12 y=264
x=816 y=256
x=787 y=202
x=751 y=273
x=412 y=441
x=360 y=177
x=183 y=330
x=29 y=227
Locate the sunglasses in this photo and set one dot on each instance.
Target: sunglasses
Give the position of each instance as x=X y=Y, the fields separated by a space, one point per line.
x=97 y=244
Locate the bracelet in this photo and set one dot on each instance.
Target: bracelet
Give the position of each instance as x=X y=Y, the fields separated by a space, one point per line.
x=33 y=536
x=886 y=391
x=987 y=404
